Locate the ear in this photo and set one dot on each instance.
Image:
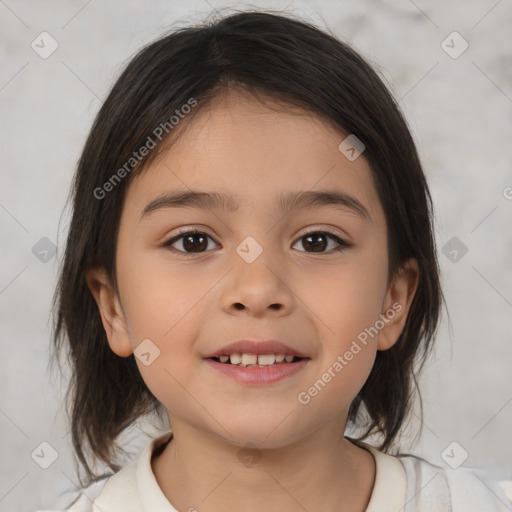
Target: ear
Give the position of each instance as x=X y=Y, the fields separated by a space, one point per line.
x=112 y=315
x=397 y=303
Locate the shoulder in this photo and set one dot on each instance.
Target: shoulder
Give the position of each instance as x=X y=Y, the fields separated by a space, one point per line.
x=78 y=501
x=462 y=489
x=117 y=491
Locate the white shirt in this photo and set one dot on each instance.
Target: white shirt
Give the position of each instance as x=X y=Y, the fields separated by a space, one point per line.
x=403 y=483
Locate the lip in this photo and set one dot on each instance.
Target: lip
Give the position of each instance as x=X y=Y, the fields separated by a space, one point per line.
x=258 y=376
x=245 y=346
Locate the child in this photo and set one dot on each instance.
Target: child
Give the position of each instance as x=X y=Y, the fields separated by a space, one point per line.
x=251 y=254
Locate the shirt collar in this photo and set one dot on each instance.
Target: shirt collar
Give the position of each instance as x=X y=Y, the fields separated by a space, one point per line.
x=390 y=487
x=134 y=488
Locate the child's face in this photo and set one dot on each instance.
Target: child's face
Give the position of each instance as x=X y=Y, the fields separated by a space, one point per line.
x=317 y=302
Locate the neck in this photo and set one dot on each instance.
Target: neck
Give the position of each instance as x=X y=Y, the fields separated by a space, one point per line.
x=197 y=470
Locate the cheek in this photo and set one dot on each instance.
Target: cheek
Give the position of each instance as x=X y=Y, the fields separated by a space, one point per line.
x=348 y=303
x=348 y=299
x=347 y=311
x=161 y=305
x=158 y=296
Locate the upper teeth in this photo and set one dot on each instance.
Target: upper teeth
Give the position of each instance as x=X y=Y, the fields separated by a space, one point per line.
x=264 y=359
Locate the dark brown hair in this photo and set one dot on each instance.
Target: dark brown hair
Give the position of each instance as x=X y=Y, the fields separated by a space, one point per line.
x=269 y=55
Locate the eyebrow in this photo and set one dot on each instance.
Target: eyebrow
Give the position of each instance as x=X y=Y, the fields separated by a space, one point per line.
x=285 y=201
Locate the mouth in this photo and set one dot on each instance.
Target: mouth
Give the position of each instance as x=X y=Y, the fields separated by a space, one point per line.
x=257 y=361
x=255 y=369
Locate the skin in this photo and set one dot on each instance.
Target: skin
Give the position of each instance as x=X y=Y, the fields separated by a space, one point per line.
x=317 y=302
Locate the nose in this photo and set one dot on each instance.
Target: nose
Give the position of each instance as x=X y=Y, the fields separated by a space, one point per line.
x=257 y=289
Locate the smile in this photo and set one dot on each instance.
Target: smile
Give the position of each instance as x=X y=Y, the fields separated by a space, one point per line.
x=258 y=369
x=253 y=360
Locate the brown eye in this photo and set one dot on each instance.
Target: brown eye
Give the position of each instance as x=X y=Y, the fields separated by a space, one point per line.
x=196 y=242
x=318 y=241
x=192 y=242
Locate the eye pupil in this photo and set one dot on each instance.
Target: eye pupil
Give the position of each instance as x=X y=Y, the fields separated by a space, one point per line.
x=189 y=239
x=316 y=246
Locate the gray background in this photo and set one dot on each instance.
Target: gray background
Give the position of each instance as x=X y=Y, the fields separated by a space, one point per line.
x=459 y=110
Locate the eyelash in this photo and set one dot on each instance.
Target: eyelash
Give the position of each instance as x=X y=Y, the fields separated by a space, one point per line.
x=343 y=244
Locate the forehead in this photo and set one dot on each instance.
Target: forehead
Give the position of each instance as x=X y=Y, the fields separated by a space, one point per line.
x=256 y=153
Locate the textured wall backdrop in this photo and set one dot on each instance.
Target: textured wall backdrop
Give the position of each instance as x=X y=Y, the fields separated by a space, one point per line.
x=449 y=64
